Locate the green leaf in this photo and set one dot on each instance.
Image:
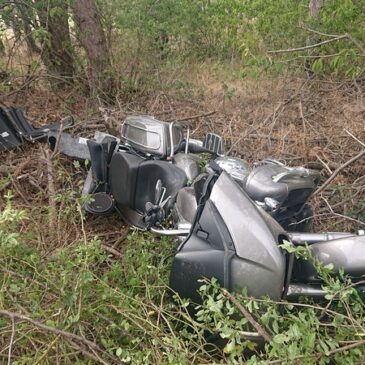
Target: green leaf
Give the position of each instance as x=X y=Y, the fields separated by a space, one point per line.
x=119 y=352
x=317 y=66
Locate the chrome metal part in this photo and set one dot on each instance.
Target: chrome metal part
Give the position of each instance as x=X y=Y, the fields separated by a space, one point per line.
x=188 y=163
x=304 y=290
x=309 y=238
x=151 y=136
x=238 y=169
x=187 y=141
x=170 y=232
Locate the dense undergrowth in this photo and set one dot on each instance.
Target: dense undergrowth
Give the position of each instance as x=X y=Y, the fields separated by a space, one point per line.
x=81 y=305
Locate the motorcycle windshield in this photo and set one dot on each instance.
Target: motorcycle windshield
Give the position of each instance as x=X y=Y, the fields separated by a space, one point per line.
x=254 y=233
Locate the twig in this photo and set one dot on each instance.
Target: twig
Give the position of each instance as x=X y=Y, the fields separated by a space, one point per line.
x=11 y=339
x=338 y=170
x=356 y=43
x=51 y=191
x=320 y=33
x=352 y=285
x=311 y=45
x=261 y=330
x=355 y=138
x=112 y=250
x=192 y=117
x=67 y=335
x=342 y=215
x=320 y=354
x=324 y=164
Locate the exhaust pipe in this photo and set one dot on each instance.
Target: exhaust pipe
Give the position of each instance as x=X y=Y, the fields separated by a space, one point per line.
x=308 y=238
x=304 y=290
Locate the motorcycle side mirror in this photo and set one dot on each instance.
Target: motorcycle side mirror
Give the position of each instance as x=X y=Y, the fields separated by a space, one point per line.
x=214 y=144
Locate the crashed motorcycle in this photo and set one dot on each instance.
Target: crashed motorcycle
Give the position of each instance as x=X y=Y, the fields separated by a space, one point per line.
x=229 y=218
x=238 y=243
x=153 y=173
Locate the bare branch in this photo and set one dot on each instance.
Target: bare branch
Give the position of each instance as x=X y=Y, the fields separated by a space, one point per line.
x=320 y=33
x=67 y=335
x=335 y=38
x=355 y=138
x=338 y=170
x=261 y=330
x=192 y=117
x=310 y=46
x=11 y=339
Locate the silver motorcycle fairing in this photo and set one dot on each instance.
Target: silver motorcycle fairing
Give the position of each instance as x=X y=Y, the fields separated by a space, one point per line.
x=247 y=223
x=281 y=183
x=234 y=241
x=260 y=263
x=347 y=254
x=238 y=169
x=188 y=163
x=185 y=206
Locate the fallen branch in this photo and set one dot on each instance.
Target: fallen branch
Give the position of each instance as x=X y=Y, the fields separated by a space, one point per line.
x=67 y=335
x=192 y=117
x=261 y=330
x=311 y=45
x=321 y=354
x=51 y=191
x=112 y=250
x=11 y=340
x=342 y=215
x=333 y=39
x=338 y=170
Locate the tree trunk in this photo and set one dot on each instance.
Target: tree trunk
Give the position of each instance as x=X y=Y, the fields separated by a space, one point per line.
x=315 y=7
x=93 y=40
x=57 y=50
x=27 y=15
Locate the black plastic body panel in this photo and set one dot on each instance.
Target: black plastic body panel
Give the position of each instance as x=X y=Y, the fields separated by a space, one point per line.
x=172 y=178
x=133 y=183
x=206 y=253
x=8 y=135
x=123 y=178
x=196 y=261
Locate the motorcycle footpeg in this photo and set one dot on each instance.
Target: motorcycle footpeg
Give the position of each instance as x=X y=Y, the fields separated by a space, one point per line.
x=101 y=204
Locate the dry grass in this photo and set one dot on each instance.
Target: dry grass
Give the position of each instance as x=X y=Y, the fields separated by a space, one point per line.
x=298 y=121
